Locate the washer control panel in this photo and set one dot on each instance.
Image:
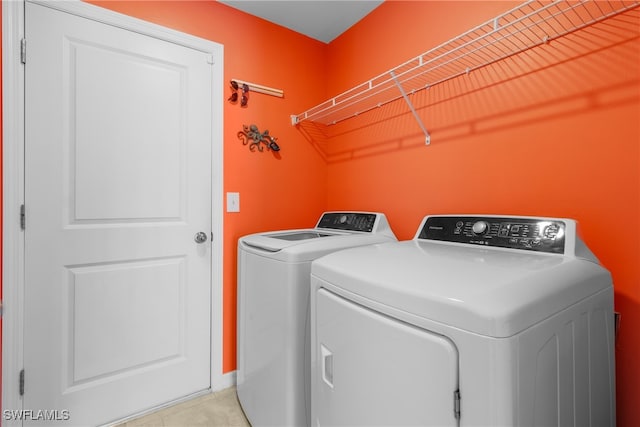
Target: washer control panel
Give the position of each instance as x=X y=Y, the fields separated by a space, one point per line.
x=352 y=221
x=532 y=234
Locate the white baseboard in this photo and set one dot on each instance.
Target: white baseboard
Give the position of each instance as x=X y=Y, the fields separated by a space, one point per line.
x=225 y=381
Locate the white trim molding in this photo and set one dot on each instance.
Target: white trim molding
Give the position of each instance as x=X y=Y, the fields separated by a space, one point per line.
x=13 y=198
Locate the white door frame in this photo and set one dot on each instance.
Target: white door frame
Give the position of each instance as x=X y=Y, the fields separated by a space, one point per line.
x=13 y=21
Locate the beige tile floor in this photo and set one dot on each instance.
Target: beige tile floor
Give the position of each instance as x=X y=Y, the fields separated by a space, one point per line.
x=219 y=409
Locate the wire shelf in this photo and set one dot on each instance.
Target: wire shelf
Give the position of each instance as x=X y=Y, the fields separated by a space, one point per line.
x=529 y=25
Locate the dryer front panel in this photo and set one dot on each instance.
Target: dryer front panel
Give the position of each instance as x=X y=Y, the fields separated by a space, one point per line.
x=376 y=370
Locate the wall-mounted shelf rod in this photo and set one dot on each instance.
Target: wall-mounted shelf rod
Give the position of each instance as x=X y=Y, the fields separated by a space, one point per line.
x=254 y=87
x=427 y=140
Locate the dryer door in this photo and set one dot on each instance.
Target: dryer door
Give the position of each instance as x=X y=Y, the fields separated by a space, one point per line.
x=375 y=370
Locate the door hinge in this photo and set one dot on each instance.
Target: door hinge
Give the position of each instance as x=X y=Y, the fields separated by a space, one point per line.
x=456 y=404
x=22 y=218
x=23 y=51
x=22 y=382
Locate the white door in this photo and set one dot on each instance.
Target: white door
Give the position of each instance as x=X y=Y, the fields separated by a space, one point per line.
x=377 y=371
x=117 y=184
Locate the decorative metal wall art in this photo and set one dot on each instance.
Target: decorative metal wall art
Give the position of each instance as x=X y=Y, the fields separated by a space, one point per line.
x=252 y=136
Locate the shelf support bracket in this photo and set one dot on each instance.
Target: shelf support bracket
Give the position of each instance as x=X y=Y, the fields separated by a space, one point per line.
x=427 y=136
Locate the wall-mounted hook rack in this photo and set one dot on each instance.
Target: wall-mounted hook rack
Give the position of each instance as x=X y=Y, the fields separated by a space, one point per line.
x=254 y=87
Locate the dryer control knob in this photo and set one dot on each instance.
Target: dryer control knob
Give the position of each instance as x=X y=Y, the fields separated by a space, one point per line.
x=480 y=227
x=343 y=219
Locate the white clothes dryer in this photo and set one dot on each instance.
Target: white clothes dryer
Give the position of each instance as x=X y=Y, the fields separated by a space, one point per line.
x=273 y=340
x=477 y=321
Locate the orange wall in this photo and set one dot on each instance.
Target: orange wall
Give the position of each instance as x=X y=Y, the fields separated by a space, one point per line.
x=559 y=141
x=568 y=147
x=276 y=191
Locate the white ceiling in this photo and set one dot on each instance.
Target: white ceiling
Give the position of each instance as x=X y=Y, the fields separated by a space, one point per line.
x=322 y=20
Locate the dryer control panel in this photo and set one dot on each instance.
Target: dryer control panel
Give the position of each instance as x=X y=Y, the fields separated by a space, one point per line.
x=532 y=234
x=351 y=221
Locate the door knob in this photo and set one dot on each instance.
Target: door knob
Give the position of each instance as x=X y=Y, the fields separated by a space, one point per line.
x=200 y=237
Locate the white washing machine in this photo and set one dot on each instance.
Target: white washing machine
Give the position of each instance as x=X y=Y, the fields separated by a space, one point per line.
x=273 y=382
x=477 y=321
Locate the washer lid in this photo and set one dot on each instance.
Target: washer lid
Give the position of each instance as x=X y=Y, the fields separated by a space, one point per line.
x=299 y=235
x=334 y=230
x=306 y=245
x=278 y=240
x=493 y=292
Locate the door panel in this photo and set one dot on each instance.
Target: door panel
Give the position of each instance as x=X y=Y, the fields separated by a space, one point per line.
x=377 y=371
x=117 y=183
x=146 y=147
x=103 y=323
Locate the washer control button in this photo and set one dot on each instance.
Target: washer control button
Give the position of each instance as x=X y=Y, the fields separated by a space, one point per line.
x=480 y=227
x=551 y=231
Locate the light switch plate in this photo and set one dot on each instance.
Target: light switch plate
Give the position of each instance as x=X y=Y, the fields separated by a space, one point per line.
x=233 y=202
